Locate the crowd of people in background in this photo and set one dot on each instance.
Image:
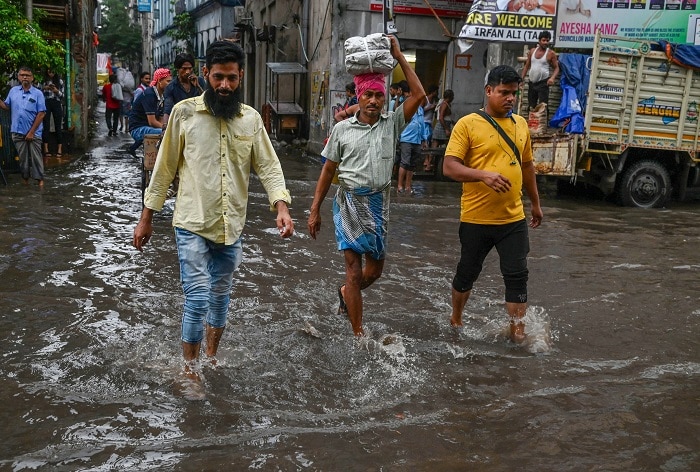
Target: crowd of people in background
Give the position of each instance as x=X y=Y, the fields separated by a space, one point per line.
x=36 y=120
x=142 y=106
x=147 y=111
x=47 y=91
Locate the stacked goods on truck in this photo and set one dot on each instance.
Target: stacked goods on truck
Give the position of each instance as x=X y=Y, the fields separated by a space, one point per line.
x=640 y=136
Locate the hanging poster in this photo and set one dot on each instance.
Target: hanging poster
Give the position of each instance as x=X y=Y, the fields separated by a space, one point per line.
x=517 y=21
x=578 y=21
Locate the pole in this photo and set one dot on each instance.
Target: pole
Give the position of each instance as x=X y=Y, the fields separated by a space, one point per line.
x=388 y=12
x=69 y=87
x=444 y=28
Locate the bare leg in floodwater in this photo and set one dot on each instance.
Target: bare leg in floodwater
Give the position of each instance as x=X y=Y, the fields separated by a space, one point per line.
x=192 y=386
x=358 y=278
x=516 y=312
x=213 y=336
x=459 y=301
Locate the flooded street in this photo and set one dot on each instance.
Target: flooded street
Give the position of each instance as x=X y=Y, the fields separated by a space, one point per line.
x=610 y=380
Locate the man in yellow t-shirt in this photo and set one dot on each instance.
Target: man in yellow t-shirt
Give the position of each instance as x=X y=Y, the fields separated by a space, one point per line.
x=493 y=171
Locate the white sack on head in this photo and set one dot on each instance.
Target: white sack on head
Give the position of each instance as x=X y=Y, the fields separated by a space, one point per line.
x=369 y=54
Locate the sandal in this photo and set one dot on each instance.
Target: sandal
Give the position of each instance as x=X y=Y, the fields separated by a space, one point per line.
x=342 y=307
x=58 y=154
x=47 y=154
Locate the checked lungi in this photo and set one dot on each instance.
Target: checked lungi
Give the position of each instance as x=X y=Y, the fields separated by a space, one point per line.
x=361 y=218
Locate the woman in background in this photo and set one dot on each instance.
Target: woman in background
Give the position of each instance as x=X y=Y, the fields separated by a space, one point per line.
x=112 y=105
x=443 y=126
x=53 y=94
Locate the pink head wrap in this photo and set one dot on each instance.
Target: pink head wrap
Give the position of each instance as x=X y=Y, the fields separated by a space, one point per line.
x=159 y=74
x=364 y=82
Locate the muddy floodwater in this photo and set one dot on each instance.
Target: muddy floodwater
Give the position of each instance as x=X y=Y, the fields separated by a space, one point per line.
x=608 y=381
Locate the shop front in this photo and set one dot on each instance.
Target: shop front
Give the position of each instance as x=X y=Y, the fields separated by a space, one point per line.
x=426 y=41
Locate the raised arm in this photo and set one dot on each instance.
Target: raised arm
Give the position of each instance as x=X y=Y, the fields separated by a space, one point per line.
x=411 y=104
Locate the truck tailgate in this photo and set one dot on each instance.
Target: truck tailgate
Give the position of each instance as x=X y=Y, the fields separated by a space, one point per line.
x=639 y=98
x=554 y=154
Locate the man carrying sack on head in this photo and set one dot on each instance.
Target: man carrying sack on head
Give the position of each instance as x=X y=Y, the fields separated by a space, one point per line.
x=362 y=149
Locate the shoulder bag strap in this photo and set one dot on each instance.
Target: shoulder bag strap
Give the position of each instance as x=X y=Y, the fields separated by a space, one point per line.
x=503 y=134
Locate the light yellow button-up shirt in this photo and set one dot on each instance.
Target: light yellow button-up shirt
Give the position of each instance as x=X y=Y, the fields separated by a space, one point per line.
x=213 y=157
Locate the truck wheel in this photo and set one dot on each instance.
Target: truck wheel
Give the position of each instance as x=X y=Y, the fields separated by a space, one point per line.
x=646 y=184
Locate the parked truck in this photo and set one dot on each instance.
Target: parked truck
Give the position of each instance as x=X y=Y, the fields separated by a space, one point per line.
x=640 y=141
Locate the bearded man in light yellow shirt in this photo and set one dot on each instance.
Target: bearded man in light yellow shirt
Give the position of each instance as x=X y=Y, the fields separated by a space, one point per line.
x=491 y=154
x=212 y=142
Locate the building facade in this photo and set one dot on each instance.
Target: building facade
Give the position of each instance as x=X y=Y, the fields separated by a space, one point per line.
x=73 y=22
x=209 y=20
x=295 y=53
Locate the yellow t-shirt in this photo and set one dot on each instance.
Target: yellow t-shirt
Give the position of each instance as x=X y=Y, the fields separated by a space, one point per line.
x=477 y=143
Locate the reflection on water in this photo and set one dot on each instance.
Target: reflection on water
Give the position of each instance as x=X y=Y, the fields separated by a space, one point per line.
x=90 y=329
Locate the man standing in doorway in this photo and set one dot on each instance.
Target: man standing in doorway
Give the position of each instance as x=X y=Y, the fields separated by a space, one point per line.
x=27 y=110
x=212 y=142
x=541 y=69
x=491 y=154
x=362 y=148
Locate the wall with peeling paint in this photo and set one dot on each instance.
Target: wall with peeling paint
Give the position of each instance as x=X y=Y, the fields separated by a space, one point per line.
x=82 y=83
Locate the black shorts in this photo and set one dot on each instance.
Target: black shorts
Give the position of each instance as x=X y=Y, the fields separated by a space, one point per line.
x=410 y=155
x=512 y=243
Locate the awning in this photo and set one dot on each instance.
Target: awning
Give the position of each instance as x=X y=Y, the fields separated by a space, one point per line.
x=286 y=68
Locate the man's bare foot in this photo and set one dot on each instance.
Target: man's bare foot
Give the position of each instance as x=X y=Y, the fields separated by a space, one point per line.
x=342 y=307
x=456 y=322
x=190 y=384
x=41 y=185
x=357 y=328
x=517 y=332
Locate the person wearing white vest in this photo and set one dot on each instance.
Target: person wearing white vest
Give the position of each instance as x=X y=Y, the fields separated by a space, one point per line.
x=543 y=67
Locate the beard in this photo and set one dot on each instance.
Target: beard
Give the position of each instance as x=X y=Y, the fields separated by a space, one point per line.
x=224 y=106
